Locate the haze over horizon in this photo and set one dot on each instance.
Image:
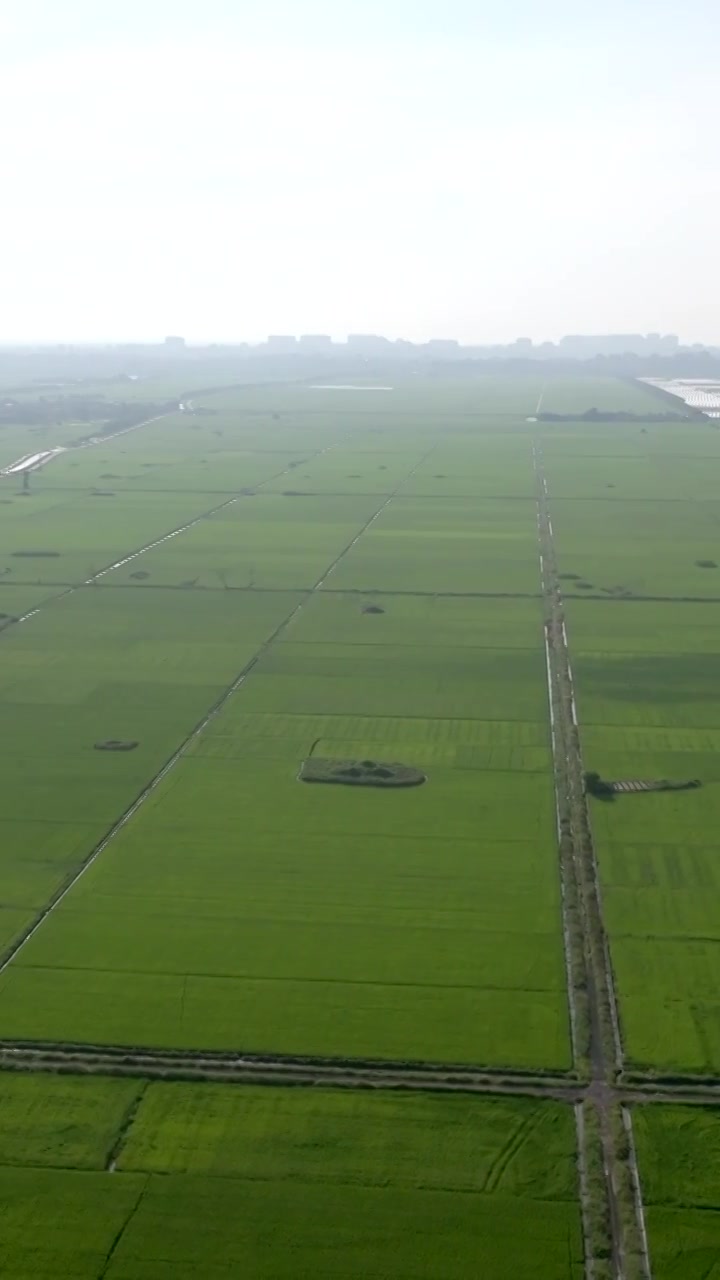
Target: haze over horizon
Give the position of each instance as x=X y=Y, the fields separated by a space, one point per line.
x=412 y=169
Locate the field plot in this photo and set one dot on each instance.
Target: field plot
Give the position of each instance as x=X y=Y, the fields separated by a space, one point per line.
x=128 y=665
x=52 y=545
x=344 y=471
x=368 y=619
x=262 y=907
x=263 y=540
x=622 y=476
x=648 y=679
x=129 y=466
x=443 y=404
x=283 y=1183
x=493 y=465
x=464 y=545
x=576 y=394
x=639 y=548
x=587 y=442
x=679 y=1154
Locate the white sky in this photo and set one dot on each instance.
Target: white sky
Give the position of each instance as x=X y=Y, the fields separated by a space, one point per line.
x=236 y=167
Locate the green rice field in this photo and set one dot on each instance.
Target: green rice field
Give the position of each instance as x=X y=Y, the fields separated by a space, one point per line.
x=281 y=573
x=374 y=571
x=679 y=1153
x=649 y=703
x=136 y=1179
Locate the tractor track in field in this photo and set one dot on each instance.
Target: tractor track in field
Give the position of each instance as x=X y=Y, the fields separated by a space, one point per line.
x=591 y=985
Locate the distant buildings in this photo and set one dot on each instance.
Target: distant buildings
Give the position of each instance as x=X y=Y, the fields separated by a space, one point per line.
x=574 y=346
x=175 y=345
x=583 y=346
x=281 y=343
x=315 y=342
x=368 y=344
x=443 y=347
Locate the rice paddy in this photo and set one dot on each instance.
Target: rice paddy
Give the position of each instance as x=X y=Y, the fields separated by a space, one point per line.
x=283 y=575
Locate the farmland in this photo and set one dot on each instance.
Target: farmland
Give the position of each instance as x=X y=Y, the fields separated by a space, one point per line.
x=260 y=910
x=651 y=710
x=680 y=1152
x=279 y=574
x=208 y=1178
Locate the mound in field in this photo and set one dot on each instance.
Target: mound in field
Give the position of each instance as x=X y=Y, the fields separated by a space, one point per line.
x=116 y=744
x=372 y=608
x=360 y=773
x=598 y=786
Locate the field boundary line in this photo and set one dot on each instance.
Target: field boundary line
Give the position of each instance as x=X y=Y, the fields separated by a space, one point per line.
x=64 y=588
x=126 y=1122
x=123 y=1228
x=344 y=1073
x=308 y=1069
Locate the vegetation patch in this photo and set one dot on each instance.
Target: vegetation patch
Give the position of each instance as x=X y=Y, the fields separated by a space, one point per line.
x=372 y=608
x=361 y=773
x=706 y=564
x=597 y=786
x=116 y=744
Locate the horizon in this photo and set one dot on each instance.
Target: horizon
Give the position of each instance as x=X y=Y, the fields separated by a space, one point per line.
x=340 y=340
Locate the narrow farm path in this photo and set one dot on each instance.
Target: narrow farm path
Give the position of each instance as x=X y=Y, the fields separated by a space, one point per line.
x=591 y=987
x=350 y=1073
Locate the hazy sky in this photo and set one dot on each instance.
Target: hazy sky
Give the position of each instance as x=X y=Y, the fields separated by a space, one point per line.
x=228 y=168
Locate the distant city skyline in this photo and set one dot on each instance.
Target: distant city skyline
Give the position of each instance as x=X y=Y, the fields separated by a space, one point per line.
x=578 y=345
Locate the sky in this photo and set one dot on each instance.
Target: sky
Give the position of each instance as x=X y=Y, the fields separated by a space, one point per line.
x=233 y=168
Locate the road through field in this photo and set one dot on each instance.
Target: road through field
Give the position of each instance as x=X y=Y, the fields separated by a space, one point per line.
x=602 y=1021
